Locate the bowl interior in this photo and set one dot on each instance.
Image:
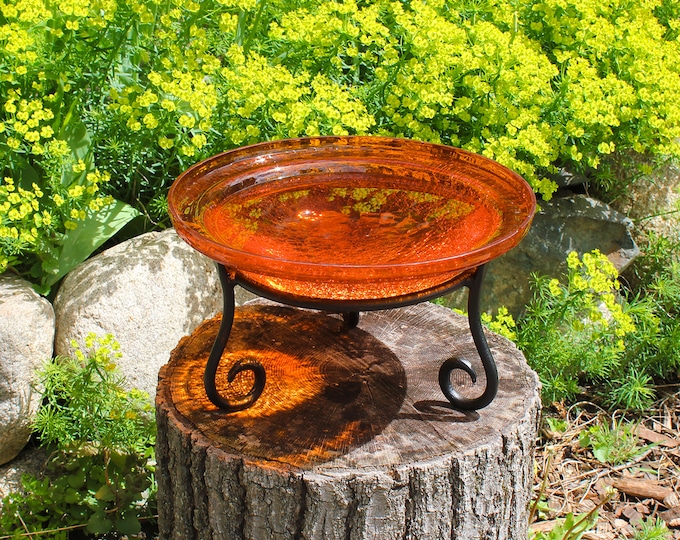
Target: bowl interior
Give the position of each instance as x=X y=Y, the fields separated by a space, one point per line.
x=350 y=209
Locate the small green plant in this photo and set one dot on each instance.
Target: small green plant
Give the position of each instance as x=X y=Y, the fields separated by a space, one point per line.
x=572 y=527
x=633 y=390
x=587 y=330
x=654 y=350
x=615 y=444
x=556 y=425
x=100 y=476
x=573 y=330
x=652 y=529
x=658 y=252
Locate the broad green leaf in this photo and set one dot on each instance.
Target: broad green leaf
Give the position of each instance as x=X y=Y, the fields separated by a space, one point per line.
x=99 y=523
x=128 y=525
x=90 y=233
x=28 y=175
x=77 y=479
x=104 y=493
x=602 y=453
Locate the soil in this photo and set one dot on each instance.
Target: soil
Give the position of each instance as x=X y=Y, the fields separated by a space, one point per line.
x=644 y=487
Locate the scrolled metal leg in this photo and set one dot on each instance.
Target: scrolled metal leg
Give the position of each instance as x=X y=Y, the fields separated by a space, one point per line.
x=218 y=347
x=448 y=367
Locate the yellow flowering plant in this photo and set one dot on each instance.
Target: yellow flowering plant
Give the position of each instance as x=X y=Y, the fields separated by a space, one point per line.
x=141 y=89
x=582 y=331
x=479 y=76
x=50 y=186
x=100 y=437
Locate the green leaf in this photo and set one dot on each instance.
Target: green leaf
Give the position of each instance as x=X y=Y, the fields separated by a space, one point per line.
x=99 y=523
x=602 y=453
x=77 y=479
x=128 y=525
x=120 y=460
x=28 y=175
x=90 y=233
x=71 y=496
x=105 y=493
x=79 y=140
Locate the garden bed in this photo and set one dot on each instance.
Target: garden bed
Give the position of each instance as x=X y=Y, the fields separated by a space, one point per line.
x=642 y=465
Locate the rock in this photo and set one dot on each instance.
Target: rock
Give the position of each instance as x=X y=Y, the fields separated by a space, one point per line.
x=148 y=292
x=566 y=178
x=26 y=339
x=652 y=197
x=30 y=461
x=564 y=224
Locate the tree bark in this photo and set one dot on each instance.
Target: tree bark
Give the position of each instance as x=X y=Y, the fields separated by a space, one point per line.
x=351 y=438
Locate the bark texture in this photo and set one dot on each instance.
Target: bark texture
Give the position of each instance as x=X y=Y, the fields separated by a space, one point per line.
x=351 y=438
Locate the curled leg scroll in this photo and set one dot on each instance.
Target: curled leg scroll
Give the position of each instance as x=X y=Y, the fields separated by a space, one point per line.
x=220 y=344
x=452 y=364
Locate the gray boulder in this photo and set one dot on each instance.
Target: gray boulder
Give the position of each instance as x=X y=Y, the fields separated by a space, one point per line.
x=31 y=460
x=148 y=292
x=26 y=340
x=564 y=224
x=652 y=198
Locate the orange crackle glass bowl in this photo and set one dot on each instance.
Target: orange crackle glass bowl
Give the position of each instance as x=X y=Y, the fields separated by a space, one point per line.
x=350 y=219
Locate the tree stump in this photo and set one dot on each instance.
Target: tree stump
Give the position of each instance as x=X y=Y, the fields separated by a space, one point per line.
x=351 y=438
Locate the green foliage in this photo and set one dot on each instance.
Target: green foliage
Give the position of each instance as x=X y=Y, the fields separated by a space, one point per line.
x=51 y=182
x=632 y=390
x=658 y=252
x=135 y=91
x=101 y=473
x=587 y=331
x=572 y=527
x=84 y=400
x=652 y=529
x=604 y=54
x=575 y=330
x=655 y=349
x=615 y=444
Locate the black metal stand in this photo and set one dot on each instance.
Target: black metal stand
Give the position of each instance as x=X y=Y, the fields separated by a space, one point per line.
x=350 y=312
x=229 y=306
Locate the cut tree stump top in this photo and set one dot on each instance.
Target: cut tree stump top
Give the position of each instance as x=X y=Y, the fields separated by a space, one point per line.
x=337 y=400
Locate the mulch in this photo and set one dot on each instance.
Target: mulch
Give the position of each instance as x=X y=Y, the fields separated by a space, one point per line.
x=569 y=479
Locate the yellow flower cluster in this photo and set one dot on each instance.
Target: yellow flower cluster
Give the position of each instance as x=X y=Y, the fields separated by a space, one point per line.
x=27 y=125
x=503 y=323
x=268 y=97
x=437 y=79
x=21 y=215
x=450 y=87
x=175 y=106
x=28 y=217
x=617 y=88
x=594 y=278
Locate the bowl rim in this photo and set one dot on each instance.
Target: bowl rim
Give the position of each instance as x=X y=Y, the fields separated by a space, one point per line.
x=249 y=262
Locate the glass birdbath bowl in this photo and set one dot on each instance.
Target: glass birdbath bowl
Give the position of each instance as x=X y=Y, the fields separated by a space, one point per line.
x=350 y=224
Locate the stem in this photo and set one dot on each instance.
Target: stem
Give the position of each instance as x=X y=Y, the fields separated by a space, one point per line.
x=587 y=516
x=660 y=214
x=541 y=489
x=250 y=35
x=40 y=533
